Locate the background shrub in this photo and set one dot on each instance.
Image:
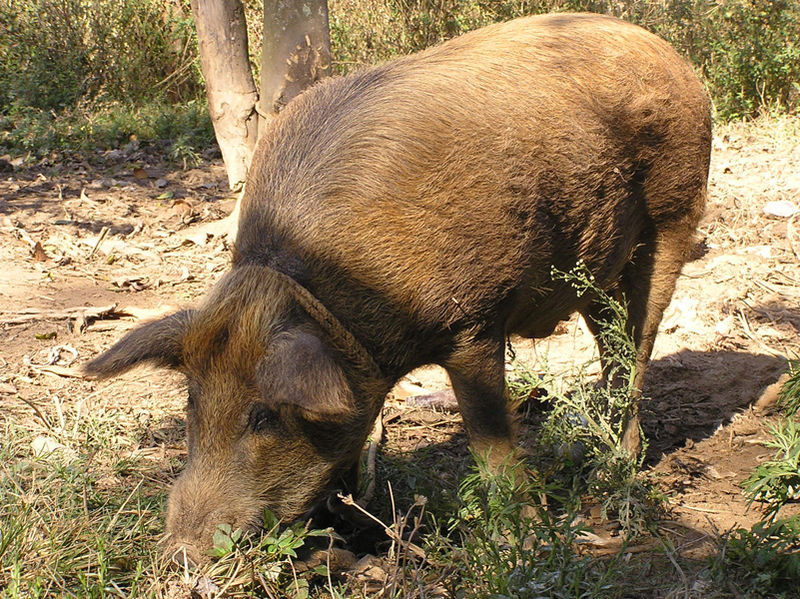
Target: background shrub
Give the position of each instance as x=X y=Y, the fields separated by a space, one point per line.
x=748 y=51
x=59 y=53
x=72 y=57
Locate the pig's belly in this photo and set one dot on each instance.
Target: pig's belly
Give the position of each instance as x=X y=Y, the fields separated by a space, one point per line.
x=539 y=318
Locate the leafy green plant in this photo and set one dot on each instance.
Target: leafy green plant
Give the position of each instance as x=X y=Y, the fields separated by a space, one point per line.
x=777 y=481
x=183 y=151
x=60 y=53
x=587 y=420
x=263 y=562
x=512 y=547
x=789 y=396
x=104 y=126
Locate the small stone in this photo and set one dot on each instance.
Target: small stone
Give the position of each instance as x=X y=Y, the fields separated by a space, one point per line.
x=780 y=208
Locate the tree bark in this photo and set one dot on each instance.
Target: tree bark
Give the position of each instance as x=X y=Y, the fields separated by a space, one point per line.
x=297 y=52
x=230 y=88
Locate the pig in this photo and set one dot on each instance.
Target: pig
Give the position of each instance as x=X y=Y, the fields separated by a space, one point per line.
x=410 y=213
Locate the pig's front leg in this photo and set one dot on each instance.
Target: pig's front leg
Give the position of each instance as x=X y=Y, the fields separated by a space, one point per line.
x=477 y=372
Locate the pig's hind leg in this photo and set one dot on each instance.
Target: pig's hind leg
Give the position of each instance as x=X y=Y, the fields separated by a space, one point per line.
x=477 y=371
x=646 y=287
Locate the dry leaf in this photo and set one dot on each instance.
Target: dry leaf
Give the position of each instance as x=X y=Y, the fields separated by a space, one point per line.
x=8 y=388
x=182 y=209
x=44 y=445
x=38 y=253
x=133 y=283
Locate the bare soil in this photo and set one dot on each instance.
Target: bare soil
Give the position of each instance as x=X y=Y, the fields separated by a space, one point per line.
x=129 y=233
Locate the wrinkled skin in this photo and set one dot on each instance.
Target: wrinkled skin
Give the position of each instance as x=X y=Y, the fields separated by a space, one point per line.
x=410 y=214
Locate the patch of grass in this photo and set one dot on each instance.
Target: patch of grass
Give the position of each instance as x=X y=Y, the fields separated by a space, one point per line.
x=36 y=133
x=262 y=565
x=510 y=546
x=777 y=481
x=70 y=526
x=586 y=424
x=763 y=561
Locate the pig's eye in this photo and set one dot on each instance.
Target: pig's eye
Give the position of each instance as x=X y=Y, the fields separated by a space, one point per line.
x=262 y=418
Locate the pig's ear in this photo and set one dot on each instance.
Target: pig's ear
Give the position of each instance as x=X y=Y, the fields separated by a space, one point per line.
x=300 y=370
x=158 y=342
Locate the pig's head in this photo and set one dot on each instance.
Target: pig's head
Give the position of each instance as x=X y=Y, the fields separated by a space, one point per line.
x=274 y=418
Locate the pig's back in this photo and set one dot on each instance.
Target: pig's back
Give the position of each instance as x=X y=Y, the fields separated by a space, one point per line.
x=438 y=184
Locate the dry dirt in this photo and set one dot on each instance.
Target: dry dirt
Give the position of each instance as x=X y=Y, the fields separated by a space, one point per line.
x=127 y=232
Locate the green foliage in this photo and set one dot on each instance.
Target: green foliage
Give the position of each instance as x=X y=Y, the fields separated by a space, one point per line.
x=510 y=547
x=71 y=59
x=761 y=562
x=267 y=557
x=789 y=396
x=752 y=55
x=59 y=53
x=777 y=481
x=765 y=560
x=277 y=545
x=103 y=126
x=587 y=420
x=747 y=50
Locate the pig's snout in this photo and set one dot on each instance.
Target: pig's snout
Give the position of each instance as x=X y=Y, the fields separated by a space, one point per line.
x=197 y=505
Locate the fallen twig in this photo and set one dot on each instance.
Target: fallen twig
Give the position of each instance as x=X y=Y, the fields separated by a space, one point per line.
x=375 y=440
x=390 y=531
x=753 y=337
x=613 y=550
x=56 y=370
x=100 y=238
x=42 y=417
x=791 y=235
x=439 y=400
x=31 y=314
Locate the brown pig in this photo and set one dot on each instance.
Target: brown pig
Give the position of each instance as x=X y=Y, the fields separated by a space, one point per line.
x=409 y=214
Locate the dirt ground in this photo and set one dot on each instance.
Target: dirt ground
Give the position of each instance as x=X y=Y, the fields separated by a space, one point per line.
x=88 y=249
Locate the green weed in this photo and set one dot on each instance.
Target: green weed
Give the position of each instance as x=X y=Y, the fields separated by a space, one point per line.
x=761 y=562
x=512 y=547
x=777 y=481
x=67 y=529
x=789 y=396
x=262 y=565
x=586 y=424
x=61 y=53
x=99 y=127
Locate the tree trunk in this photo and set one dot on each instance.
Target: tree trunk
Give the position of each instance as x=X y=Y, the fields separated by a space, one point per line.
x=231 y=91
x=297 y=51
x=296 y=54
